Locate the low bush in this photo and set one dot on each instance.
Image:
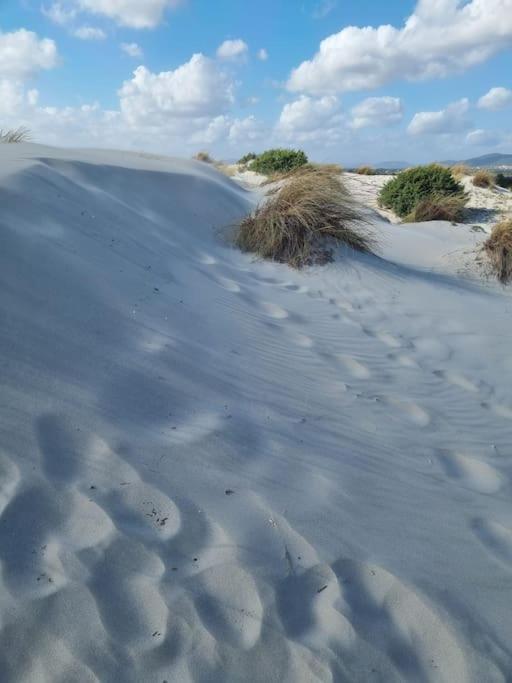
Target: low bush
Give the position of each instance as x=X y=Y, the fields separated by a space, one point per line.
x=301 y=222
x=365 y=170
x=404 y=192
x=278 y=161
x=247 y=158
x=204 y=157
x=504 y=181
x=499 y=249
x=438 y=208
x=484 y=178
x=15 y=135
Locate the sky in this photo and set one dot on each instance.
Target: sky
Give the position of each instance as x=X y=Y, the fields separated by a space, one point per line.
x=348 y=82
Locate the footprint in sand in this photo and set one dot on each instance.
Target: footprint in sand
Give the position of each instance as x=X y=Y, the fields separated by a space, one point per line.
x=412 y=411
x=470 y=472
x=389 y=340
x=356 y=369
x=457 y=380
x=228 y=284
x=273 y=310
x=495 y=537
x=302 y=340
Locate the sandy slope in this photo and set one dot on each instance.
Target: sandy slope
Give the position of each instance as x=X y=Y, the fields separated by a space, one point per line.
x=214 y=469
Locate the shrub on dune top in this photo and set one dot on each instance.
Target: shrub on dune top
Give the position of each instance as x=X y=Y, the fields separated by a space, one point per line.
x=484 y=178
x=204 y=157
x=460 y=170
x=499 y=249
x=301 y=222
x=247 y=158
x=15 y=135
x=406 y=190
x=278 y=161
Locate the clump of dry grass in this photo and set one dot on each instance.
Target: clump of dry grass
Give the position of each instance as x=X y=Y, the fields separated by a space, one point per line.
x=499 y=250
x=365 y=170
x=460 y=170
x=438 y=208
x=204 y=157
x=484 y=178
x=333 y=169
x=301 y=222
x=15 y=135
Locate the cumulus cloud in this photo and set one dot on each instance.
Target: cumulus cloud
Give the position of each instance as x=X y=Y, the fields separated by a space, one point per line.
x=89 y=33
x=195 y=89
x=453 y=119
x=324 y=8
x=232 y=49
x=440 y=38
x=262 y=55
x=132 y=49
x=496 y=98
x=59 y=14
x=130 y=13
x=377 y=111
x=309 y=119
x=23 y=53
x=483 y=138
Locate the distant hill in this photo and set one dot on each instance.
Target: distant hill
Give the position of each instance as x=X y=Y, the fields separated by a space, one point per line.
x=393 y=165
x=485 y=161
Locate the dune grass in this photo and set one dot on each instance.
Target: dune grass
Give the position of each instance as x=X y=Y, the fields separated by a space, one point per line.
x=301 y=222
x=204 y=157
x=484 y=178
x=15 y=135
x=499 y=250
x=460 y=170
x=365 y=170
x=438 y=208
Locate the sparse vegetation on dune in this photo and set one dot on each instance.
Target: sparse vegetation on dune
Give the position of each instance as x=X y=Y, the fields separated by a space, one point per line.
x=460 y=170
x=438 y=208
x=334 y=169
x=499 y=250
x=365 y=170
x=301 y=222
x=247 y=158
x=405 y=191
x=484 y=178
x=15 y=135
x=204 y=157
x=278 y=161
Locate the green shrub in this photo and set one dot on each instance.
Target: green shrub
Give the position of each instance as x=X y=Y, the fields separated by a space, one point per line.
x=247 y=157
x=504 y=181
x=278 y=161
x=403 y=193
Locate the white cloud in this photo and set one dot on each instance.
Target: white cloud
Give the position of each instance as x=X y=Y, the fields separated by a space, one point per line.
x=453 y=119
x=496 y=98
x=89 y=33
x=323 y=8
x=440 y=38
x=481 y=138
x=246 y=130
x=195 y=89
x=262 y=55
x=232 y=49
x=311 y=119
x=131 y=13
x=23 y=53
x=377 y=111
x=59 y=14
x=132 y=49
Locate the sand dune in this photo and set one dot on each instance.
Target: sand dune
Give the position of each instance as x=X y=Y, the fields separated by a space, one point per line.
x=217 y=469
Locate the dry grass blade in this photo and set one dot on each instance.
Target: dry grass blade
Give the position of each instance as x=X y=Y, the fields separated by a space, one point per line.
x=15 y=135
x=499 y=249
x=438 y=208
x=300 y=223
x=484 y=179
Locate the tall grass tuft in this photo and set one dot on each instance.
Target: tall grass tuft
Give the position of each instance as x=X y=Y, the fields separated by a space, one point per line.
x=438 y=208
x=15 y=135
x=204 y=157
x=499 y=249
x=301 y=222
x=484 y=178
x=365 y=170
x=460 y=170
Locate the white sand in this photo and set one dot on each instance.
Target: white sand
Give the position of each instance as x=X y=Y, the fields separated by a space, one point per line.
x=219 y=470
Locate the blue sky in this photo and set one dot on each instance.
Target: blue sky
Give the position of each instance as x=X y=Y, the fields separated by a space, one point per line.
x=351 y=82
